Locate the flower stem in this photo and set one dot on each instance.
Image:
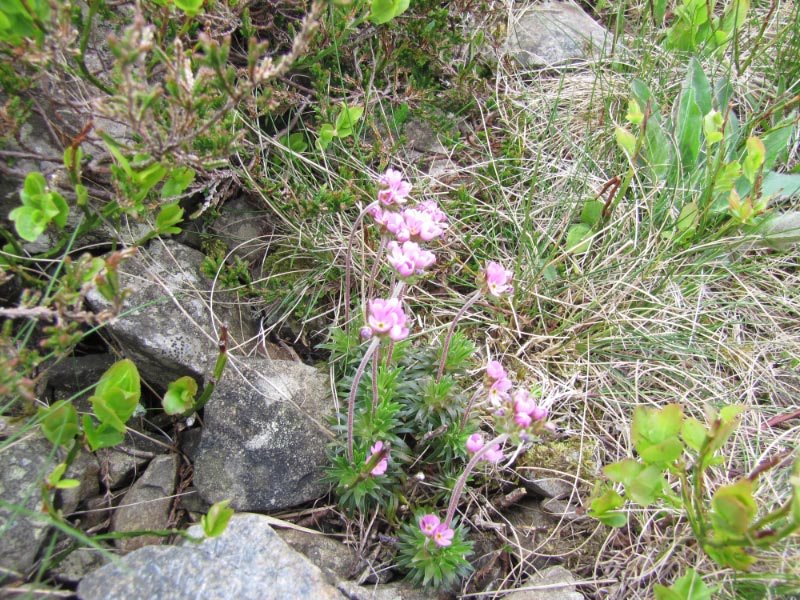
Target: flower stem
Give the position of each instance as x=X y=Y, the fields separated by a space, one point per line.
x=348 y=262
x=448 y=338
x=375 y=360
x=373 y=274
x=351 y=400
x=470 y=404
x=462 y=481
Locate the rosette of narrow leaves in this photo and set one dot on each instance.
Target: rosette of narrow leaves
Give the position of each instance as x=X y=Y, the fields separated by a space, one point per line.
x=430 y=565
x=356 y=487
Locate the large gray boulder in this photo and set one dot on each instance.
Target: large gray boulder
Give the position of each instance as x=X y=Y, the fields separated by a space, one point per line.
x=247 y=562
x=171 y=321
x=23 y=464
x=263 y=444
x=555 y=33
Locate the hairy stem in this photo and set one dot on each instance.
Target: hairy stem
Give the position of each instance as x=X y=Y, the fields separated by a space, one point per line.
x=462 y=481
x=351 y=400
x=448 y=338
x=348 y=261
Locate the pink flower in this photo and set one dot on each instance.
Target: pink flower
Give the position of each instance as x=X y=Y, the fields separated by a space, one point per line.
x=409 y=258
x=523 y=403
x=365 y=333
x=386 y=317
x=494 y=455
x=421 y=226
x=431 y=208
x=428 y=524
x=539 y=413
x=396 y=225
x=394 y=189
x=495 y=370
x=474 y=443
x=497 y=279
x=498 y=392
x=522 y=419
x=443 y=535
x=383 y=463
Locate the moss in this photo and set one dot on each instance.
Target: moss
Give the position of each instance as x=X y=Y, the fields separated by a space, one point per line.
x=572 y=455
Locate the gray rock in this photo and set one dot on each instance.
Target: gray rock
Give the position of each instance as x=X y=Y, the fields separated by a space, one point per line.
x=555 y=583
x=327 y=553
x=78 y=564
x=23 y=463
x=263 y=443
x=119 y=465
x=564 y=509
x=554 y=33
x=71 y=378
x=247 y=562
x=85 y=469
x=548 y=487
x=190 y=442
x=244 y=228
x=397 y=590
x=147 y=504
x=168 y=332
x=191 y=501
x=533 y=538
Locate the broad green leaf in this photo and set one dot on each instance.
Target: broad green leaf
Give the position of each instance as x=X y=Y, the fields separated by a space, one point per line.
x=401 y=6
x=726 y=178
x=712 y=127
x=700 y=85
x=103 y=409
x=733 y=508
x=190 y=7
x=326 y=135
x=296 y=142
x=148 y=178
x=734 y=17
x=29 y=222
x=623 y=471
x=577 y=242
x=776 y=141
x=634 y=116
x=688 y=587
x=59 y=422
x=67 y=484
x=657 y=429
x=178 y=181
x=693 y=433
x=347 y=119
x=168 y=217
x=754 y=158
x=626 y=140
x=687 y=220
x=103 y=436
x=592 y=212
x=781 y=231
x=603 y=507
x=180 y=395
x=723 y=426
x=381 y=11
x=731 y=556
x=688 y=129
x=780 y=184
x=122 y=374
x=35 y=185
x=60 y=218
x=658 y=148
x=647 y=487
x=216 y=520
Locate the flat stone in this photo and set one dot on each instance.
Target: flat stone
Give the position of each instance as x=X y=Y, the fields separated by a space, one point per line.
x=78 y=564
x=23 y=463
x=554 y=33
x=72 y=378
x=548 y=487
x=248 y=561
x=147 y=504
x=554 y=583
x=263 y=443
x=169 y=328
x=328 y=554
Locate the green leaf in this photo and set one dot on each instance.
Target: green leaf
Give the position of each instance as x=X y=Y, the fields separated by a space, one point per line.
x=577 y=242
x=592 y=212
x=59 y=422
x=148 y=178
x=401 y=6
x=654 y=432
x=603 y=507
x=687 y=220
x=103 y=436
x=731 y=556
x=647 y=487
x=124 y=375
x=190 y=7
x=700 y=85
x=113 y=147
x=216 y=520
x=104 y=411
x=688 y=129
x=693 y=433
x=688 y=587
x=168 y=216
x=726 y=178
x=626 y=140
x=326 y=135
x=178 y=181
x=794 y=481
x=35 y=185
x=624 y=471
x=776 y=141
x=733 y=509
x=57 y=473
x=347 y=119
x=180 y=396
x=712 y=127
x=67 y=484
x=780 y=184
x=781 y=231
x=381 y=11
x=29 y=222
x=634 y=116
x=754 y=159
x=296 y=142
x=658 y=148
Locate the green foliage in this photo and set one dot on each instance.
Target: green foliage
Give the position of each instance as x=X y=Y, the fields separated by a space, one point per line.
x=180 y=396
x=23 y=19
x=671 y=445
x=344 y=126
x=59 y=422
x=40 y=207
x=55 y=479
x=429 y=565
x=688 y=587
x=383 y=11
x=114 y=401
x=698 y=29
x=216 y=519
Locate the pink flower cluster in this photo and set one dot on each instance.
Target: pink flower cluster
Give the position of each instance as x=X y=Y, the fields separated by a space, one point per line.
x=526 y=411
x=497 y=279
x=386 y=318
x=520 y=406
x=394 y=189
x=439 y=532
x=475 y=442
x=499 y=385
x=409 y=258
x=383 y=463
